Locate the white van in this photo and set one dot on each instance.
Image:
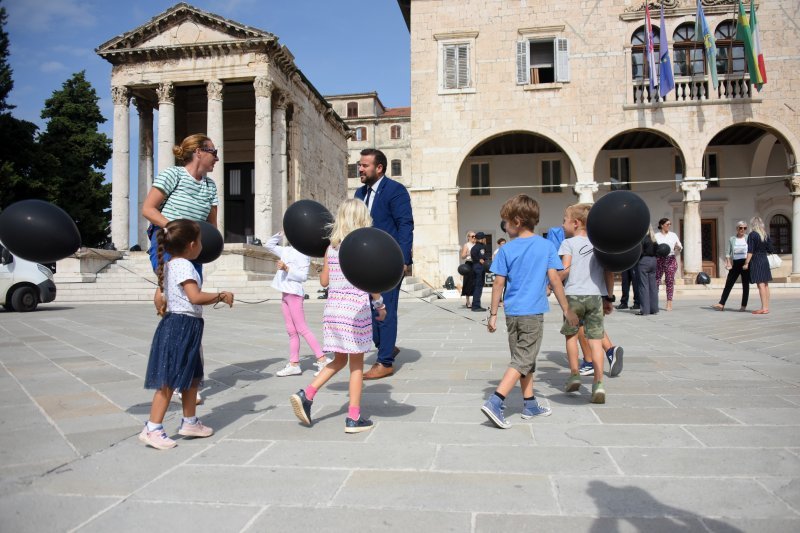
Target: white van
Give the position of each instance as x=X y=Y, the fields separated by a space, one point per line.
x=24 y=284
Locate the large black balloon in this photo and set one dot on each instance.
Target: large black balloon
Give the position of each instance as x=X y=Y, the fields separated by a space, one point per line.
x=371 y=260
x=38 y=231
x=619 y=262
x=305 y=225
x=212 y=243
x=663 y=250
x=617 y=222
x=464 y=269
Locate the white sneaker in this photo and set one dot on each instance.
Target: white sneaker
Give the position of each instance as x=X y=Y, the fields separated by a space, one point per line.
x=289 y=370
x=322 y=364
x=180 y=397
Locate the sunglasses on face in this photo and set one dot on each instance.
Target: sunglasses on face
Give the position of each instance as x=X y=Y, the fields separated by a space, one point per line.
x=740 y=227
x=212 y=151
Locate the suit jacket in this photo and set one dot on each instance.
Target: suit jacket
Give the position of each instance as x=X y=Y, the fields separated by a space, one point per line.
x=391 y=212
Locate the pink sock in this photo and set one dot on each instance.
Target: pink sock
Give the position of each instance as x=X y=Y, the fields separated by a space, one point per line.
x=354 y=412
x=311 y=392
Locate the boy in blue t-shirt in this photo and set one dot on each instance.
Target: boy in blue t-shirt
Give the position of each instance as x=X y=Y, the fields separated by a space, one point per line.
x=527 y=263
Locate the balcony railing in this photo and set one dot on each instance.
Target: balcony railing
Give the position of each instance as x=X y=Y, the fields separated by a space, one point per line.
x=695 y=89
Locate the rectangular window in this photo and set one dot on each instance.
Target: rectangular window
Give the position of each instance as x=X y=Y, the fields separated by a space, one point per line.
x=678 y=172
x=620 y=174
x=235 y=182
x=711 y=170
x=352 y=109
x=551 y=176
x=542 y=61
x=396 y=132
x=456 y=74
x=397 y=167
x=480 y=179
x=361 y=134
x=352 y=170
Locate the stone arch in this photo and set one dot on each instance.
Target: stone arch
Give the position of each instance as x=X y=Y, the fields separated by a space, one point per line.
x=670 y=134
x=789 y=141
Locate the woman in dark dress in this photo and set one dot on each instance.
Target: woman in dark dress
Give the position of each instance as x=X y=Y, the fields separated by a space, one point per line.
x=468 y=282
x=648 y=285
x=758 y=246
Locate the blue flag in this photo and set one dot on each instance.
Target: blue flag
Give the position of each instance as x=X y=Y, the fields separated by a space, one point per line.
x=703 y=33
x=665 y=80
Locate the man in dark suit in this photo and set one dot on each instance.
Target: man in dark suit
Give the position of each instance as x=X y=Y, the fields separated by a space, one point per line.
x=390 y=206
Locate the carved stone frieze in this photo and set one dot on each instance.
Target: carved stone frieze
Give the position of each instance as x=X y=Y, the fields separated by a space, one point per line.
x=120 y=95
x=166 y=93
x=282 y=101
x=676 y=4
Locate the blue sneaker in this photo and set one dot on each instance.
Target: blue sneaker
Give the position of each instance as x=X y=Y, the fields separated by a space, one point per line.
x=614 y=356
x=357 y=426
x=493 y=409
x=586 y=369
x=531 y=408
x=301 y=406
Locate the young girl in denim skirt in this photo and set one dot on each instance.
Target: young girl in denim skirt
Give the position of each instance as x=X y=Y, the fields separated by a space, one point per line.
x=175 y=362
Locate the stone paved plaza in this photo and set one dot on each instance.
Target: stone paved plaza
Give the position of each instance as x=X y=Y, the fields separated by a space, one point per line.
x=700 y=432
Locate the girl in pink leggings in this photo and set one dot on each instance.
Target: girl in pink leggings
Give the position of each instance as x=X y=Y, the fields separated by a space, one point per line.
x=292 y=273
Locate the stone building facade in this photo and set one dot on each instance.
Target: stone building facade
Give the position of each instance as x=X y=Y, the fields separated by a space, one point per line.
x=189 y=71
x=374 y=126
x=552 y=98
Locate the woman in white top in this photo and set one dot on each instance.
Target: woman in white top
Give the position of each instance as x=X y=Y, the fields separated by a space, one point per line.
x=735 y=256
x=468 y=281
x=667 y=266
x=291 y=274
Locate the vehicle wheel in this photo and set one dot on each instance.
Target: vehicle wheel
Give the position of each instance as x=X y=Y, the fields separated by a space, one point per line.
x=8 y=307
x=24 y=299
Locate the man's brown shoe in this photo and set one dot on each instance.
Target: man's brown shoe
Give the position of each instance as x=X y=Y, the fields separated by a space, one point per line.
x=378 y=371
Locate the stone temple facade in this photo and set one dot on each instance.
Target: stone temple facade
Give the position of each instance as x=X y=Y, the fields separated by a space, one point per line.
x=552 y=98
x=188 y=71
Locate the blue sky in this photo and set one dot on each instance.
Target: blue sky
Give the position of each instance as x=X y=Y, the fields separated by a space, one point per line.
x=342 y=46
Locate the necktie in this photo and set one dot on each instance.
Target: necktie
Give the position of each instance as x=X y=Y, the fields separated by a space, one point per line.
x=366 y=198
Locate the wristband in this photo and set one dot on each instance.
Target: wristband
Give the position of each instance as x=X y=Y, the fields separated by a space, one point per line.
x=378 y=304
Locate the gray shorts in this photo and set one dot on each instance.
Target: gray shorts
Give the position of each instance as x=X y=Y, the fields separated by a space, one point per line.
x=524 y=340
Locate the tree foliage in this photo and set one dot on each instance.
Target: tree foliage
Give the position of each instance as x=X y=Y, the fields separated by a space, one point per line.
x=6 y=82
x=78 y=150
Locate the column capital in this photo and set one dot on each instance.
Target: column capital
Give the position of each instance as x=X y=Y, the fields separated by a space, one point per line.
x=166 y=93
x=692 y=187
x=263 y=86
x=281 y=101
x=214 y=89
x=793 y=184
x=120 y=95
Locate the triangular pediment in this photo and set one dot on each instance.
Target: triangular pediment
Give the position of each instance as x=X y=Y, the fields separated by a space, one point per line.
x=181 y=26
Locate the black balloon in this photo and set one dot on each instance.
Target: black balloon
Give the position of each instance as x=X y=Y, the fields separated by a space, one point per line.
x=619 y=262
x=663 y=250
x=464 y=269
x=212 y=243
x=38 y=231
x=305 y=225
x=702 y=278
x=617 y=222
x=503 y=226
x=371 y=260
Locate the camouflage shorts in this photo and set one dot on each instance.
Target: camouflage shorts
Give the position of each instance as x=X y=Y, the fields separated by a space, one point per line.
x=590 y=312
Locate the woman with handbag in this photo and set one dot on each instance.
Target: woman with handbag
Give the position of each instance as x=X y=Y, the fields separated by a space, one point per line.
x=758 y=246
x=735 y=257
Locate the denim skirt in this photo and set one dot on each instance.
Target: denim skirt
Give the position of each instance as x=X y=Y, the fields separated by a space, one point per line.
x=175 y=355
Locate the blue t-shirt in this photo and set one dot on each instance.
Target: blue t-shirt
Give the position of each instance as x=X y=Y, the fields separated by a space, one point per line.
x=524 y=263
x=556 y=236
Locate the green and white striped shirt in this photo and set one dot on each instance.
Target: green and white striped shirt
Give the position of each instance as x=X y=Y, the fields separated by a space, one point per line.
x=186 y=197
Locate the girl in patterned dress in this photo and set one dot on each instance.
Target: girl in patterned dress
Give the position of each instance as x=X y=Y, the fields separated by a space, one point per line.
x=175 y=362
x=347 y=322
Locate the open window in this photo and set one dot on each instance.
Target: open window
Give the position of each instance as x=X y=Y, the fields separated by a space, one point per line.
x=542 y=60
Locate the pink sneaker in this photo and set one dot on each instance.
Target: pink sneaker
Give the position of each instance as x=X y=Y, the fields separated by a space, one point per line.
x=157 y=439
x=195 y=430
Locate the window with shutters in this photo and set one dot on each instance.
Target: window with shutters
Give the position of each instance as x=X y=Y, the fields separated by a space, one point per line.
x=352 y=109
x=620 y=174
x=397 y=132
x=397 y=168
x=455 y=60
x=551 y=175
x=360 y=134
x=480 y=179
x=542 y=61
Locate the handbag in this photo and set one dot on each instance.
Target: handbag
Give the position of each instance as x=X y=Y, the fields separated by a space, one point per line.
x=774 y=261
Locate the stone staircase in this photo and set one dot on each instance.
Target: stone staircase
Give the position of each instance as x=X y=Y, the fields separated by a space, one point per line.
x=131 y=279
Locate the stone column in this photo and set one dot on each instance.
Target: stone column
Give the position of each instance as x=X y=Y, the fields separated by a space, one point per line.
x=280 y=186
x=120 y=173
x=263 y=203
x=214 y=129
x=166 y=124
x=692 y=238
x=585 y=191
x=794 y=186
x=145 y=110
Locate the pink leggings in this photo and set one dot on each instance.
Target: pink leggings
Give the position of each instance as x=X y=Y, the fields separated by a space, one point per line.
x=295 y=318
x=667 y=266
